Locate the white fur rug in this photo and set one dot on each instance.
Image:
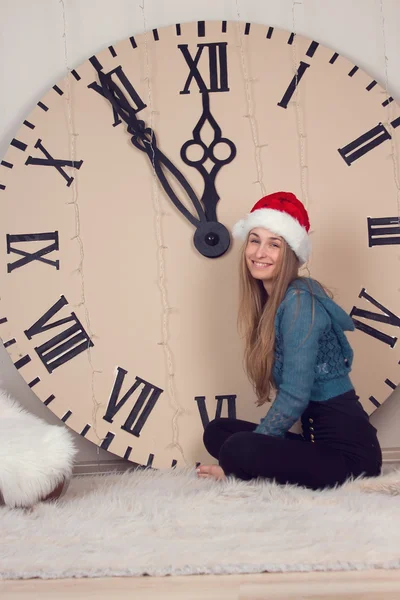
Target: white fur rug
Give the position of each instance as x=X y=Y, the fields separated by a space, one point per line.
x=171 y=523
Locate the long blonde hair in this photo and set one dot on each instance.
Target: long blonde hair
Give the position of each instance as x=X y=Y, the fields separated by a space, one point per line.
x=256 y=317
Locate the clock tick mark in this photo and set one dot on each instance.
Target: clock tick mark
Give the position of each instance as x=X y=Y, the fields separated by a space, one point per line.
x=155 y=35
x=66 y=416
x=390 y=384
x=9 y=343
x=43 y=106
x=247 y=29
x=353 y=71
x=22 y=361
x=112 y=51
x=49 y=400
x=312 y=49
x=291 y=38
x=150 y=460
x=132 y=41
x=85 y=430
x=107 y=440
x=223 y=26
x=270 y=32
x=387 y=101
x=371 y=85
x=127 y=453
x=374 y=401
x=17 y=144
x=333 y=58
x=58 y=90
x=28 y=124
x=6 y=164
x=201 y=28
x=34 y=382
x=3 y=320
x=96 y=63
x=178 y=29
x=76 y=75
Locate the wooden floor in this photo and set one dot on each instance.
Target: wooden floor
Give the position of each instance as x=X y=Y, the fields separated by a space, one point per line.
x=345 y=585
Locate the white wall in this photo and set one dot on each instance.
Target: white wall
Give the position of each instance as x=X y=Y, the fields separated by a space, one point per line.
x=40 y=38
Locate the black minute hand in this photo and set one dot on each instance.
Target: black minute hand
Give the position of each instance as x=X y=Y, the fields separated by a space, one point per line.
x=211 y=238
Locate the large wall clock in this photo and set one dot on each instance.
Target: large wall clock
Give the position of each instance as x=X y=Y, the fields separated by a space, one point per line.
x=118 y=275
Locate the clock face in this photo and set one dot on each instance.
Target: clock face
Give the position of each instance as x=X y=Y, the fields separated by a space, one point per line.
x=119 y=283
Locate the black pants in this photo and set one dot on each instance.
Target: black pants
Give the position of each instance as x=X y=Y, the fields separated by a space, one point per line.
x=337 y=441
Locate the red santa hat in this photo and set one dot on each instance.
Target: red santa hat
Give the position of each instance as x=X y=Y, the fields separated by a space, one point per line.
x=283 y=214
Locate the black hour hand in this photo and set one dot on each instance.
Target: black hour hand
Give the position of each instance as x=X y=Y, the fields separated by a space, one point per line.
x=210 y=239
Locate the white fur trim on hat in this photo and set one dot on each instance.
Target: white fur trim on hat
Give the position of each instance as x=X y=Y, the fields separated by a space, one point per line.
x=280 y=223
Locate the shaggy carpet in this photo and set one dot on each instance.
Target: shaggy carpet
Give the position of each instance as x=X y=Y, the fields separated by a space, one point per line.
x=171 y=523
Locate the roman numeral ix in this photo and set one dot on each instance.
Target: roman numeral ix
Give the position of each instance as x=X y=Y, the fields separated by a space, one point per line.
x=38 y=255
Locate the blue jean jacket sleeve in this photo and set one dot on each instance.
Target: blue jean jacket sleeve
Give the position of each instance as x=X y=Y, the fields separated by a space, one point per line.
x=301 y=326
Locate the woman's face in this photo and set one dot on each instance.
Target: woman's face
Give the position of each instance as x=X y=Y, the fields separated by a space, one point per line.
x=262 y=253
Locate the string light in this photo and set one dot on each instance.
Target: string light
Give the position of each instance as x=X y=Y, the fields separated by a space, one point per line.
x=161 y=262
x=75 y=203
x=250 y=112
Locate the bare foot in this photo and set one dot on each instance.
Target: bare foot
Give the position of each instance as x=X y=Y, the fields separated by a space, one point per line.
x=210 y=472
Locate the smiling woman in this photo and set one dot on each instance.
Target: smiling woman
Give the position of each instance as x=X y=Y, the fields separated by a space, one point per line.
x=294 y=344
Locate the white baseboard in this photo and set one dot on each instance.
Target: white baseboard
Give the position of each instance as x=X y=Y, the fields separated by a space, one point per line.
x=390 y=456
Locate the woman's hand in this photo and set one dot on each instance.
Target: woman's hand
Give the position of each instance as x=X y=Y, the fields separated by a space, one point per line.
x=210 y=472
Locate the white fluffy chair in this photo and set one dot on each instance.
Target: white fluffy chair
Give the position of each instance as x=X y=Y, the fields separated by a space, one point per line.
x=35 y=458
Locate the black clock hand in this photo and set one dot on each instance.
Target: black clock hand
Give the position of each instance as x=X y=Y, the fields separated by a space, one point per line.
x=145 y=140
x=210 y=196
x=211 y=238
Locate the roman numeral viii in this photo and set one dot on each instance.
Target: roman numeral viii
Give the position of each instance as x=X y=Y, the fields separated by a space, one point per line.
x=217 y=69
x=387 y=317
x=230 y=404
x=147 y=397
x=64 y=346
